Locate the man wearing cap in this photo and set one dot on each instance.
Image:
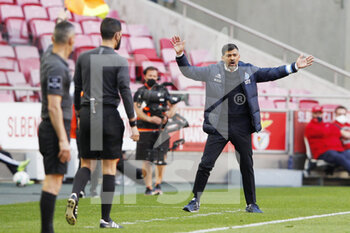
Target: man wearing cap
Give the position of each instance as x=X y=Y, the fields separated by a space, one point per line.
x=324 y=140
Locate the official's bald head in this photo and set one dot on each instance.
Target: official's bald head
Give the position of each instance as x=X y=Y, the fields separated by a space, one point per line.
x=63 y=31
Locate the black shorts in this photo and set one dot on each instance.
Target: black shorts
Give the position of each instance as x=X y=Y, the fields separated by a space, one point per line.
x=49 y=147
x=113 y=130
x=152 y=141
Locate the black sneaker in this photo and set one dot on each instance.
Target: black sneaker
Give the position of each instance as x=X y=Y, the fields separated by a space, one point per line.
x=253 y=208
x=192 y=206
x=72 y=209
x=148 y=192
x=157 y=190
x=110 y=224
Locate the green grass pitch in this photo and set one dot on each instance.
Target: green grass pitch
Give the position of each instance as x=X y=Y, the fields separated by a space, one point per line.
x=150 y=214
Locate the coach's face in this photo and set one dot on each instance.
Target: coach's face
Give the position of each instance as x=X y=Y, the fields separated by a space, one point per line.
x=231 y=59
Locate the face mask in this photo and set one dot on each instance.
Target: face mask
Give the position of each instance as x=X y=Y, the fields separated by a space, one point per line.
x=319 y=119
x=151 y=82
x=341 y=119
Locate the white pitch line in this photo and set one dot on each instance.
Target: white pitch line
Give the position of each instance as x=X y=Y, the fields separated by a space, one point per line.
x=177 y=218
x=270 y=222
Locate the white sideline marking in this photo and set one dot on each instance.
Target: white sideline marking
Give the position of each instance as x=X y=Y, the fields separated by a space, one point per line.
x=177 y=218
x=270 y=222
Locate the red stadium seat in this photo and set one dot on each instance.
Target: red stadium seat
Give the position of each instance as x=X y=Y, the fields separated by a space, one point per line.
x=206 y=63
x=96 y=40
x=138 y=30
x=2 y=41
x=90 y=27
x=10 y=11
x=77 y=27
x=200 y=55
x=145 y=55
x=125 y=30
x=26 y=96
x=123 y=52
x=3 y=79
x=17 y=31
x=53 y=12
x=28 y=64
x=32 y=12
x=49 y=3
x=16 y=78
x=40 y=28
x=7 y=51
x=194 y=99
x=168 y=55
x=113 y=14
x=44 y=42
x=26 y=51
x=80 y=18
x=141 y=43
x=282 y=104
x=165 y=43
x=125 y=44
x=27 y=2
x=181 y=82
x=132 y=69
x=174 y=69
x=298 y=92
x=6 y=96
x=307 y=104
x=8 y=64
x=7 y=1
x=35 y=78
x=82 y=43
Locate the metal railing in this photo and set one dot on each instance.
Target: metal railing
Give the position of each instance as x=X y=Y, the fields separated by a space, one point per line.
x=337 y=71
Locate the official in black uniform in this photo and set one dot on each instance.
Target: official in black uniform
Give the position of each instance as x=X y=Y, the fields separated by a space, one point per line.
x=56 y=114
x=101 y=75
x=151 y=118
x=231 y=112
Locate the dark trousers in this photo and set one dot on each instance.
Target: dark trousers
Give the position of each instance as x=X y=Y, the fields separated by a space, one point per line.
x=12 y=167
x=213 y=148
x=337 y=158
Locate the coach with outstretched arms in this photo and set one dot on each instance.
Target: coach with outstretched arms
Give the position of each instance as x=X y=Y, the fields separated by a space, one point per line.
x=231 y=112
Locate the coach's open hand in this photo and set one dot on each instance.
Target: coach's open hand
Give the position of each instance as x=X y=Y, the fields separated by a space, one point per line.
x=179 y=45
x=64 y=154
x=303 y=62
x=135 y=135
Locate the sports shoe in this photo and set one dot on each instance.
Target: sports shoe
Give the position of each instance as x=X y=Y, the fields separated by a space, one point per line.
x=22 y=165
x=72 y=209
x=110 y=224
x=148 y=192
x=192 y=206
x=157 y=190
x=253 y=208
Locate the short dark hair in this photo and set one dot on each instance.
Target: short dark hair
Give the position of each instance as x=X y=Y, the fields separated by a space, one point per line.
x=150 y=68
x=340 y=107
x=109 y=27
x=228 y=47
x=62 y=32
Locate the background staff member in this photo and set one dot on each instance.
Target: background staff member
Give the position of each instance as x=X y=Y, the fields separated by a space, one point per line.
x=56 y=115
x=149 y=120
x=342 y=123
x=231 y=112
x=115 y=80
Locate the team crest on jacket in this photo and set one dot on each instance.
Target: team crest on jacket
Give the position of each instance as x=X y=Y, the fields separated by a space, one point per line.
x=246 y=78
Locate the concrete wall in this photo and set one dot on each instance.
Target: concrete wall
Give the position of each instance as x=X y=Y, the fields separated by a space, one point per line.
x=163 y=22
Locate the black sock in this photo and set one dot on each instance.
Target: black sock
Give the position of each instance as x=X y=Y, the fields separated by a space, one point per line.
x=108 y=186
x=80 y=180
x=47 y=209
